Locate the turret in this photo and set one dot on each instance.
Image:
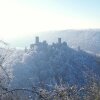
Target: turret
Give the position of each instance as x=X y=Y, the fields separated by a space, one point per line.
x=37 y=40
x=79 y=48
x=59 y=40
x=26 y=49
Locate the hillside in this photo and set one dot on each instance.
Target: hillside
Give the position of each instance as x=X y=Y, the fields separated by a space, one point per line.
x=55 y=64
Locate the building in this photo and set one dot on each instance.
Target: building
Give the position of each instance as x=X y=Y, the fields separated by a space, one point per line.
x=59 y=40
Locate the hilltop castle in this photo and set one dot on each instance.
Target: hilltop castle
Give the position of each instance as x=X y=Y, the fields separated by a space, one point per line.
x=43 y=44
x=38 y=46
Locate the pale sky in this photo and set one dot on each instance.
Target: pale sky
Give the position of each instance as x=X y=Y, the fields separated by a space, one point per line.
x=20 y=18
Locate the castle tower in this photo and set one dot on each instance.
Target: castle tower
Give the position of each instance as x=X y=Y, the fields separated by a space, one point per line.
x=59 y=40
x=79 y=48
x=26 y=49
x=37 y=40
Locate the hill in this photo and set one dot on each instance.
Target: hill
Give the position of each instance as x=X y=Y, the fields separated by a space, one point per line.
x=57 y=63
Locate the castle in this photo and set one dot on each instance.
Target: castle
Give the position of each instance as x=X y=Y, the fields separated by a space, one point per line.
x=43 y=44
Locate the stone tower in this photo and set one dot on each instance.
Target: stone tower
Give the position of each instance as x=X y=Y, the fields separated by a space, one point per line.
x=37 y=40
x=59 y=40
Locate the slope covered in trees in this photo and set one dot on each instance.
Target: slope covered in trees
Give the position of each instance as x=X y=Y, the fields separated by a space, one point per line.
x=49 y=72
x=57 y=63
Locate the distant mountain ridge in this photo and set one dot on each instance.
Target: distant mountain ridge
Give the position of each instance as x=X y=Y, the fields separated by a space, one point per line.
x=88 y=40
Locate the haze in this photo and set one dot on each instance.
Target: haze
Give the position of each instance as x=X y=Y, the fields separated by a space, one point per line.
x=22 y=18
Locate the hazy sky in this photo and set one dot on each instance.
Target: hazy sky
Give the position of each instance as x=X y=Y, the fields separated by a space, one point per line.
x=20 y=18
